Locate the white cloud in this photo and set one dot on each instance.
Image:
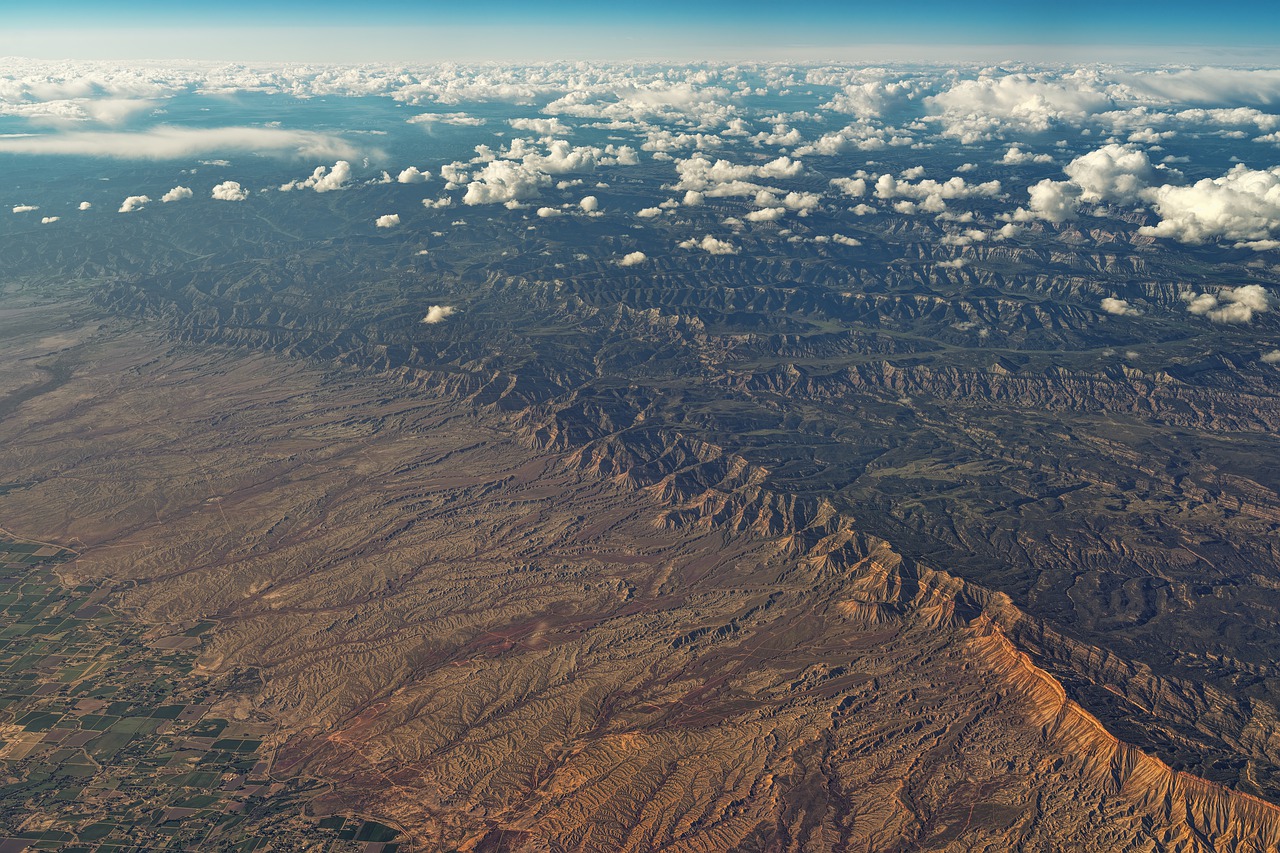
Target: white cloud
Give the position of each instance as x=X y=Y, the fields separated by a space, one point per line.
x=540 y=126
x=177 y=194
x=1053 y=201
x=456 y=119
x=723 y=178
x=1272 y=357
x=589 y=204
x=633 y=258
x=84 y=205
x=436 y=204
x=548 y=212
x=1111 y=173
x=1119 y=173
x=845 y=240
x=1119 y=307
x=649 y=212
x=387 y=220
x=710 y=245
x=933 y=195
x=25 y=208
x=662 y=141
x=798 y=201
x=1148 y=136
x=1212 y=86
x=974 y=110
x=323 y=179
x=1230 y=305
x=782 y=135
x=230 y=191
x=437 y=313
x=625 y=99
x=503 y=181
x=1242 y=205
x=768 y=214
x=522 y=169
x=175 y=143
x=860 y=136
x=867 y=99
x=852 y=187
x=134 y=202
x=1015 y=156
x=413 y=175
x=46 y=220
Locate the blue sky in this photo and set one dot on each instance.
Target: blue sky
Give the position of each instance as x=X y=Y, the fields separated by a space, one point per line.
x=714 y=29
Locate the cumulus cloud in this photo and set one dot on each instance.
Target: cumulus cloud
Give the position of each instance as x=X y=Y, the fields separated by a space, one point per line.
x=1241 y=205
x=1119 y=307
x=548 y=212
x=522 y=169
x=710 y=245
x=175 y=143
x=561 y=157
x=437 y=203
x=633 y=258
x=649 y=212
x=1052 y=201
x=413 y=175
x=868 y=99
x=503 y=181
x=1230 y=305
x=654 y=100
x=230 y=191
x=541 y=126
x=798 y=201
x=25 y=208
x=989 y=106
x=84 y=205
x=932 y=195
x=1272 y=357
x=852 y=187
x=861 y=136
x=662 y=141
x=768 y=214
x=45 y=220
x=387 y=220
x=134 y=202
x=323 y=179
x=176 y=194
x=1111 y=173
x=1015 y=156
x=702 y=175
x=589 y=204
x=437 y=314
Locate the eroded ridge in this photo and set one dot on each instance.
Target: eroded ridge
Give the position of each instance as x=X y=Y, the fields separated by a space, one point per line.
x=495 y=647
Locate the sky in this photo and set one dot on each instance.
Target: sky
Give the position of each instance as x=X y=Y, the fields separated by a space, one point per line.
x=1243 y=31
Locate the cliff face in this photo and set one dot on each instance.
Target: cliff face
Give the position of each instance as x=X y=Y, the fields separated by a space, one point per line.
x=883 y=589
